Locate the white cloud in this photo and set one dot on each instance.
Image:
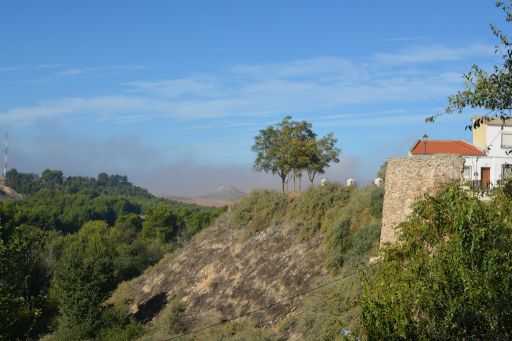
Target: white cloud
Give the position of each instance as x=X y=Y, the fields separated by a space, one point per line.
x=99 y=70
x=434 y=53
x=316 y=85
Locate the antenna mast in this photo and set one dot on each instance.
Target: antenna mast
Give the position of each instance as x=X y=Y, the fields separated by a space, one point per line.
x=6 y=148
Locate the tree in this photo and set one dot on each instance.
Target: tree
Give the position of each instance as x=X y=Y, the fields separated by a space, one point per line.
x=84 y=277
x=322 y=153
x=490 y=91
x=450 y=276
x=161 y=222
x=291 y=146
x=52 y=178
x=382 y=171
x=301 y=137
x=271 y=146
x=22 y=282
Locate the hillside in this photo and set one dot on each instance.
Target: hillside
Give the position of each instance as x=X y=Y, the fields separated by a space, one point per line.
x=222 y=196
x=268 y=248
x=7 y=192
x=230 y=193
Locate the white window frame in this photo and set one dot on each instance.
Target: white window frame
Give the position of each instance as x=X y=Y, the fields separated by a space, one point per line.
x=468 y=172
x=506 y=146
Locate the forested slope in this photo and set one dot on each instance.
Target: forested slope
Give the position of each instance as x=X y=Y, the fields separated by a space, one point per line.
x=70 y=240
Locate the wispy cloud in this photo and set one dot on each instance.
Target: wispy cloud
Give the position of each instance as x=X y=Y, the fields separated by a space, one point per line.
x=405 y=39
x=434 y=53
x=99 y=70
x=320 y=85
x=12 y=68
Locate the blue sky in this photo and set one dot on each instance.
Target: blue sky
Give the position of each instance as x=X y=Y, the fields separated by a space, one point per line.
x=172 y=93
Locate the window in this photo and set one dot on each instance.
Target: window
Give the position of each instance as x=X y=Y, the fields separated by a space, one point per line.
x=506 y=171
x=467 y=172
x=506 y=140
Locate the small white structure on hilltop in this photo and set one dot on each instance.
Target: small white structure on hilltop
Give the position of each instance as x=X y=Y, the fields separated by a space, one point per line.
x=351 y=182
x=323 y=182
x=486 y=160
x=379 y=182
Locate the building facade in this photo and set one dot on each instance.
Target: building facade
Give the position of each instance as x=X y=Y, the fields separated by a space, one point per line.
x=487 y=161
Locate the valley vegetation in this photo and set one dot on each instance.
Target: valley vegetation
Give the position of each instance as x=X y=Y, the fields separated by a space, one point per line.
x=66 y=245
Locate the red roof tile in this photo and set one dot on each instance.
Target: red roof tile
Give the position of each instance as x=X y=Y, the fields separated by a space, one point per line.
x=445 y=147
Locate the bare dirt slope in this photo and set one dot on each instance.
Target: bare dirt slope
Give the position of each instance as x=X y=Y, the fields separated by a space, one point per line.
x=226 y=271
x=8 y=193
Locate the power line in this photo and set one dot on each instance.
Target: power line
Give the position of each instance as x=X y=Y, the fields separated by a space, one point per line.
x=224 y=321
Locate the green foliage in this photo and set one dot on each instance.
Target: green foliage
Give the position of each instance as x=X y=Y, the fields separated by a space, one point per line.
x=354 y=233
x=21 y=182
x=84 y=277
x=326 y=312
x=322 y=153
x=376 y=202
x=259 y=209
x=107 y=214
x=292 y=146
x=116 y=326
x=27 y=183
x=167 y=223
x=22 y=282
x=449 y=277
x=382 y=171
x=161 y=222
x=239 y=330
x=173 y=321
x=310 y=208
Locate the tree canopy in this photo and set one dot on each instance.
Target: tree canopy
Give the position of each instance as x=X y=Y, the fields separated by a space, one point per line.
x=70 y=240
x=450 y=275
x=292 y=147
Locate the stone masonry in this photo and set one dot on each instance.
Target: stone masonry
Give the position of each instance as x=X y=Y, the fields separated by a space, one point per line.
x=409 y=178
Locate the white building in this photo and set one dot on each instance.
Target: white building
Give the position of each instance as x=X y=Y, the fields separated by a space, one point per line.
x=487 y=160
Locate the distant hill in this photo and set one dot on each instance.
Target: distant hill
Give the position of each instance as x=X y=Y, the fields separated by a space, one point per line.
x=222 y=196
x=230 y=193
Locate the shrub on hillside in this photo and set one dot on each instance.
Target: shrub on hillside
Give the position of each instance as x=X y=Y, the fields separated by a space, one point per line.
x=259 y=209
x=355 y=230
x=450 y=277
x=313 y=204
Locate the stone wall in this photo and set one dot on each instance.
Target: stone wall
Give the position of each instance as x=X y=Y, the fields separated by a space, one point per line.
x=407 y=179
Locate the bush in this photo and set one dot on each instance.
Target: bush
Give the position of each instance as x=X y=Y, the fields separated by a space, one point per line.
x=356 y=231
x=259 y=209
x=313 y=204
x=449 y=277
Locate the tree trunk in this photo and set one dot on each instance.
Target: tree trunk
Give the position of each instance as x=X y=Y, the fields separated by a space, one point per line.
x=283 y=180
x=294 y=182
x=311 y=176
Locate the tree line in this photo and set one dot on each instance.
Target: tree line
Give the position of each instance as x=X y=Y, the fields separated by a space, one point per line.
x=290 y=148
x=68 y=243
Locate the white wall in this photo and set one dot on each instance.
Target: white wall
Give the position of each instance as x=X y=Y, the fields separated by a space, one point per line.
x=495 y=163
x=494 y=140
